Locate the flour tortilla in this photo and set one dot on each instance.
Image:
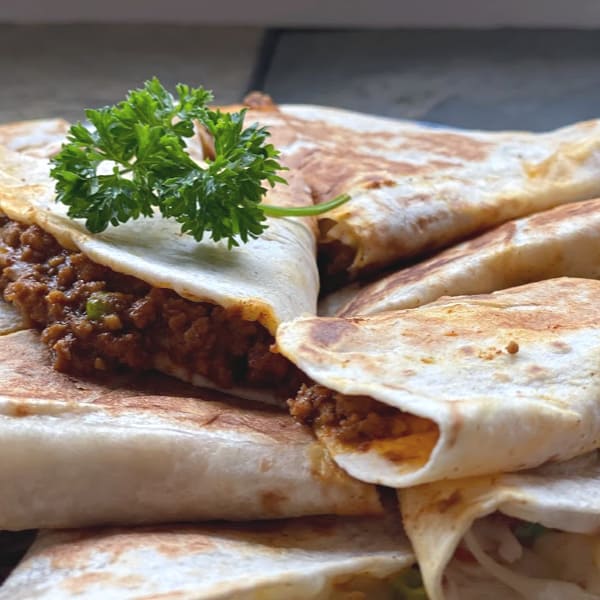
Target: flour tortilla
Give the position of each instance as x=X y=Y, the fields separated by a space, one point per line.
x=10 y=319
x=296 y=560
x=126 y=451
x=559 y=496
x=415 y=188
x=517 y=370
x=563 y=241
x=270 y=280
x=41 y=137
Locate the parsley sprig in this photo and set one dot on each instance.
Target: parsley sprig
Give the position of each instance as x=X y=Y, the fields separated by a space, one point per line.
x=134 y=158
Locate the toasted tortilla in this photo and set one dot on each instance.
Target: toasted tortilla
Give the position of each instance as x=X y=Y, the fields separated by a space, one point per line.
x=415 y=188
x=562 y=497
x=126 y=451
x=312 y=559
x=516 y=369
x=270 y=280
x=563 y=241
x=257 y=277
x=41 y=137
x=10 y=319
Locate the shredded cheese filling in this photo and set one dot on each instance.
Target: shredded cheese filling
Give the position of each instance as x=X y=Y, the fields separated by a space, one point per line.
x=557 y=566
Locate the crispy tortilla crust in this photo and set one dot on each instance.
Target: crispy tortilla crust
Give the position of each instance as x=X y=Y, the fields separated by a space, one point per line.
x=51 y=287
x=362 y=422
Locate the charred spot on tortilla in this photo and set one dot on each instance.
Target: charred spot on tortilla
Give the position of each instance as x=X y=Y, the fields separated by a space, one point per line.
x=94 y=318
x=331 y=331
x=363 y=423
x=512 y=347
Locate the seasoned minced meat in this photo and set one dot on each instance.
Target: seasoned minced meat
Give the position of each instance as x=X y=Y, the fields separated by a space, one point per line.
x=52 y=287
x=353 y=419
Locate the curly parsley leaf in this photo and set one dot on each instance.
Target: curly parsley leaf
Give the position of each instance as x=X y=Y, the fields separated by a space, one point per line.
x=133 y=159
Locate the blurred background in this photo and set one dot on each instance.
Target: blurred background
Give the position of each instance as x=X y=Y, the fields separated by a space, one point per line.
x=493 y=65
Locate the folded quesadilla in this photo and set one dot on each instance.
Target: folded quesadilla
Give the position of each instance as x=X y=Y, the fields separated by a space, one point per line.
x=564 y=241
x=333 y=559
x=42 y=137
x=532 y=535
x=144 y=296
x=416 y=188
x=463 y=386
x=125 y=450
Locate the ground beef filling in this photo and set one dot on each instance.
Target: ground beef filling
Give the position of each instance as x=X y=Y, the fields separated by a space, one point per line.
x=355 y=420
x=94 y=319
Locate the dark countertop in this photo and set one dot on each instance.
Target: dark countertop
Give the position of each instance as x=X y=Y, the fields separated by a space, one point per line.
x=513 y=79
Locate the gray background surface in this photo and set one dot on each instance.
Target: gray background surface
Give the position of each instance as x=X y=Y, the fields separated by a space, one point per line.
x=496 y=79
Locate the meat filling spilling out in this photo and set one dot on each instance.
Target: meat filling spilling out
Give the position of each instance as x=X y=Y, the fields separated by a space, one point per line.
x=95 y=319
x=361 y=421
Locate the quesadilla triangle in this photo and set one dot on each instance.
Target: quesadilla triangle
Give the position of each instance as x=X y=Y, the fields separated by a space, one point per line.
x=142 y=295
x=41 y=137
x=306 y=559
x=82 y=452
x=464 y=386
x=563 y=241
x=531 y=535
x=416 y=188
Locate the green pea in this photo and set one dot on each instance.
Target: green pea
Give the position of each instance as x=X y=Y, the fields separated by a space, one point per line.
x=98 y=305
x=527 y=532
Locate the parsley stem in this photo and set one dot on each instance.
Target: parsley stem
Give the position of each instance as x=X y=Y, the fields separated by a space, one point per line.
x=304 y=211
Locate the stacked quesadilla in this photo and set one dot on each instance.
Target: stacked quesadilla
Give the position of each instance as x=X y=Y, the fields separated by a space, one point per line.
x=467 y=383
x=415 y=189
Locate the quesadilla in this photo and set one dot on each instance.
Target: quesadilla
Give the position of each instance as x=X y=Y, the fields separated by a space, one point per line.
x=144 y=296
x=333 y=559
x=416 y=188
x=531 y=535
x=42 y=137
x=564 y=241
x=462 y=386
x=124 y=450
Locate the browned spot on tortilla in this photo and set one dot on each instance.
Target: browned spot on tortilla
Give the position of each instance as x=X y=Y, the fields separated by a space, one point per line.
x=22 y=410
x=80 y=548
x=329 y=173
x=446 y=504
x=180 y=543
x=496 y=237
x=80 y=584
x=489 y=353
x=536 y=370
x=266 y=464
x=456 y=423
x=561 y=346
x=376 y=183
x=454 y=145
x=272 y=502
x=325 y=332
x=512 y=347
x=427 y=360
x=565 y=211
